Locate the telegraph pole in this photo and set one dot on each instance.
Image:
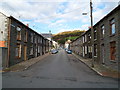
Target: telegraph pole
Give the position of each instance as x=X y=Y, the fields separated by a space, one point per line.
x=92 y=33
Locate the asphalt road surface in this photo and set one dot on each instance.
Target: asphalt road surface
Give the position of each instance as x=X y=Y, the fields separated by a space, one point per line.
x=59 y=70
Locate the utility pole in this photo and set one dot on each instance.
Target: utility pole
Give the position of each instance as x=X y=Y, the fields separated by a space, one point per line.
x=92 y=33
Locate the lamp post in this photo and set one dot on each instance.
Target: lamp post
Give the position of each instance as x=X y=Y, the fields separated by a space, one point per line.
x=92 y=33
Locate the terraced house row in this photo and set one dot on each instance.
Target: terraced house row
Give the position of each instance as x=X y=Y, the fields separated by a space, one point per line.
x=18 y=42
x=106 y=41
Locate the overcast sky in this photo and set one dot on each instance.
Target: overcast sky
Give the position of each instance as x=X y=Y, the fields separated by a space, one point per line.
x=56 y=15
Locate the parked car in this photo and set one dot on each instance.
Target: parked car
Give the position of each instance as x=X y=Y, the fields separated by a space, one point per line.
x=66 y=49
x=69 y=51
x=54 y=51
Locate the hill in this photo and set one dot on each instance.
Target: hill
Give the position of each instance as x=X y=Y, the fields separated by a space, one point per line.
x=62 y=37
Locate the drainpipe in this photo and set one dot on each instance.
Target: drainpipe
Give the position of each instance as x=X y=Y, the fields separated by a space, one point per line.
x=9 y=29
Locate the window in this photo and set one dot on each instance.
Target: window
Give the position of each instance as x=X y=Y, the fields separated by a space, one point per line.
x=38 y=49
x=83 y=52
x=85 y=49
x=18 y=33
x=31 y=37
x=35 y=39
x=25 y=36
x=31 y=50
x=80 y=41
x=95 y=34
x=112 y=26
x=89 y=37
x=39 y=40
x=89 y=49
x=85 y=38
x=18 y=51
x=102 y=31
x=95 y=49
x=112 y=50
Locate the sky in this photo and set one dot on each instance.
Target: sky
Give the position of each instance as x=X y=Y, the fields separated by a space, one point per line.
x=57 y=15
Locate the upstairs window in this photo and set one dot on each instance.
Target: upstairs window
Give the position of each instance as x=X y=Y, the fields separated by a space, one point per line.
x=112 y=26
x=25 y=36
x=18 y=33
x=31 y=37
x=89 y=37
x=40 y=40
x=95 y=34
x=36 y=39
x=83 y=39
x=102 y=31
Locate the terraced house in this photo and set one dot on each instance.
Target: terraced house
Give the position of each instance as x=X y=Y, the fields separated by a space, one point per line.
x=106 y=41
x=18 y=42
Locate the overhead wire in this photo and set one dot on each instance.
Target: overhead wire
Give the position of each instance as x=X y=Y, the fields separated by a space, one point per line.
x=61 y=14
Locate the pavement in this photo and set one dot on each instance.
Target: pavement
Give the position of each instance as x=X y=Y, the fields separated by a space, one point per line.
x=102 y=70
x=25 y=64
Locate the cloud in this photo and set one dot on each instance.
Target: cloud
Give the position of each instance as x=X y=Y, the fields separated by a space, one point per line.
x=62 y=30
x=84 y=27
x=57 y=15
x=29 y=10
x=101 y=11
x=57 y=23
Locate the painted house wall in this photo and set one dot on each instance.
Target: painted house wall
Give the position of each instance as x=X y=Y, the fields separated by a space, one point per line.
x=3 y=30
x=3 y=40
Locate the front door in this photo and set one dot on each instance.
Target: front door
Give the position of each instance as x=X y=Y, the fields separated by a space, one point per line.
x=36 y=51
x=25 y=52
x=103 y=54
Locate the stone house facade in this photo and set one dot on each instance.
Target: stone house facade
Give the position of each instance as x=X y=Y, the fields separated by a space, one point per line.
x=22 y=43
x=106 y=40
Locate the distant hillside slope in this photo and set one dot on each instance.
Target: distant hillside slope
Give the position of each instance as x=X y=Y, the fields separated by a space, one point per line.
x=62 y=37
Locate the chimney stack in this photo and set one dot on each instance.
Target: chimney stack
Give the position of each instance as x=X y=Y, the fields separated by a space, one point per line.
x=27 y=25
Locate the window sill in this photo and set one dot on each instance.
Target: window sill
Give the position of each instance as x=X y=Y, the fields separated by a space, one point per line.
x=113 y=61
x=88 y=41
x=18 y=39
x=95 y=39
x=112 y=35
x=25 y=41
x=18 y=57
x=102 y=38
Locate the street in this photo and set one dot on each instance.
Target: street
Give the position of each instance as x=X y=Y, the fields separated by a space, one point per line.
x=59 y=70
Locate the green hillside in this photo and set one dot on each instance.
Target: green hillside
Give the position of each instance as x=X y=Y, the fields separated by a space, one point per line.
x=62 y=37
